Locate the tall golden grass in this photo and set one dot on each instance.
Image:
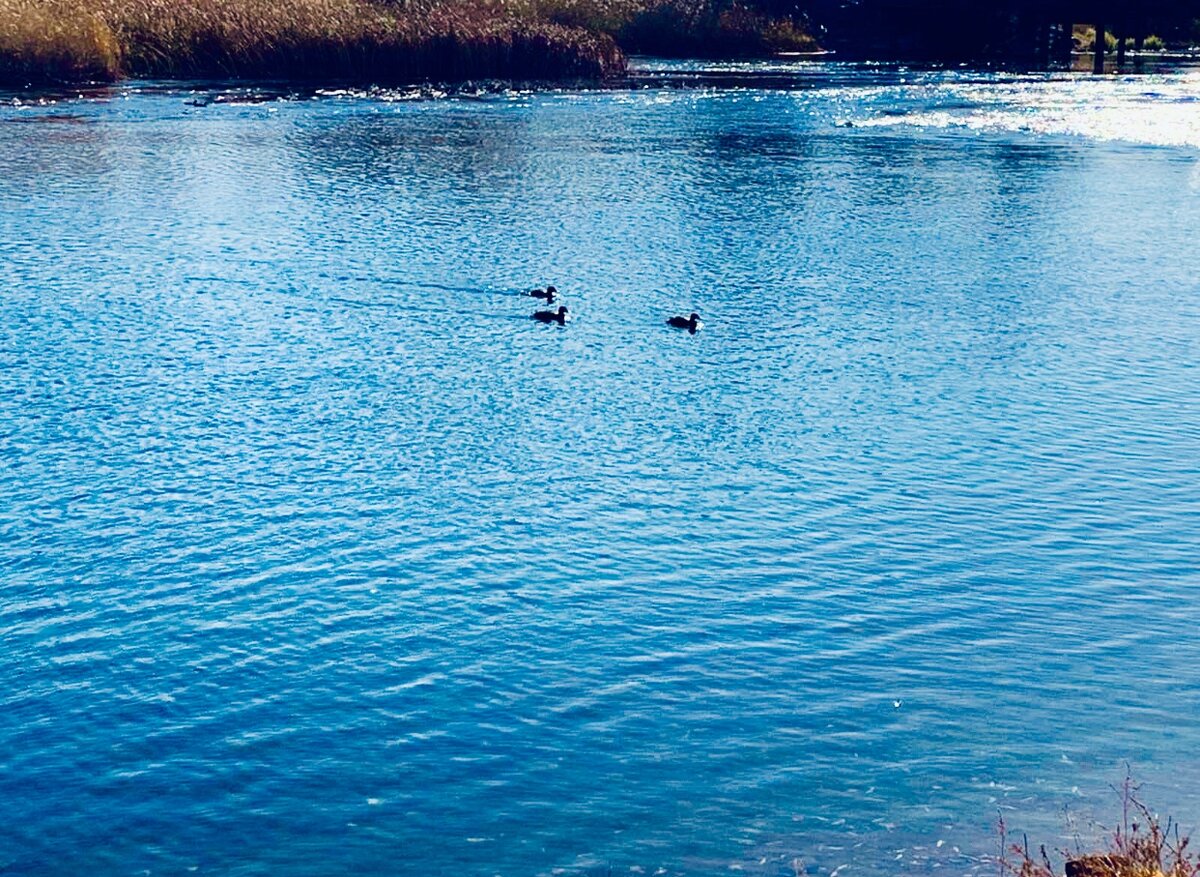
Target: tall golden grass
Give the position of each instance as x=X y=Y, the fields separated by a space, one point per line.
x=369 y=40
x=352 y=40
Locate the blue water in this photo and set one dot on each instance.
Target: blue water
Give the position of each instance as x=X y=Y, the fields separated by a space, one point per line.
x=318 y=557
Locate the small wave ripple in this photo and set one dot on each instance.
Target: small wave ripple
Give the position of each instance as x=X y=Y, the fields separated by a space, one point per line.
x=319 y=556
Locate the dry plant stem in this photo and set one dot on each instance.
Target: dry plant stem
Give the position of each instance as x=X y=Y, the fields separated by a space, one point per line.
x=1141 y=846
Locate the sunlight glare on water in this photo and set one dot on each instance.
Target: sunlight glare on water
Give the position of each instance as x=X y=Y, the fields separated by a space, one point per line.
x=1161 y=110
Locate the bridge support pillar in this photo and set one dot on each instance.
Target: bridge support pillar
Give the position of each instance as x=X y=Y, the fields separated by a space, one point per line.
x=1066 y=42
x=1098 y=63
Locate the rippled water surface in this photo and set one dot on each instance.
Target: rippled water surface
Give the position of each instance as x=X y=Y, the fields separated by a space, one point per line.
x=319 y=557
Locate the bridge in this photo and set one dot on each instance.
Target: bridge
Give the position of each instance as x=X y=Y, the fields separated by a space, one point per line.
x=1035 y=32
x=1052 y=24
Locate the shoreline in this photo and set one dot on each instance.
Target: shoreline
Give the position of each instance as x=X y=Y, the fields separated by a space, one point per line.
x=217 y=90
x=495 y=79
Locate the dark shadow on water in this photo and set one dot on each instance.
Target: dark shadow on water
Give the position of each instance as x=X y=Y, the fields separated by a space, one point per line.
x=232 y=280
x=397 y=305
x=508 y=291
x=60 y=118
x=470 y=290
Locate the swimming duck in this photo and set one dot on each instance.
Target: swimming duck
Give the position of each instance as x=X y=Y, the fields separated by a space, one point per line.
x=559 y=316
x=548 y=294
x=692 y=323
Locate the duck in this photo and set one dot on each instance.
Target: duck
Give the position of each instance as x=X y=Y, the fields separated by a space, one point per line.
x=548 y=294
x=559 y=316
x=692 y=323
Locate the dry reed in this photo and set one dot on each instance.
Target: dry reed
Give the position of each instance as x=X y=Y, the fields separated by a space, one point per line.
x=1141 y=846
x=315 y=40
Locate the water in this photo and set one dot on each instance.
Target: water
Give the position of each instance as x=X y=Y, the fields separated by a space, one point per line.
x=320 y=557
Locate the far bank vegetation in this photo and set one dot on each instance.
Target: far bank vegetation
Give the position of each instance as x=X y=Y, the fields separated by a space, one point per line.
x=379 y=41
